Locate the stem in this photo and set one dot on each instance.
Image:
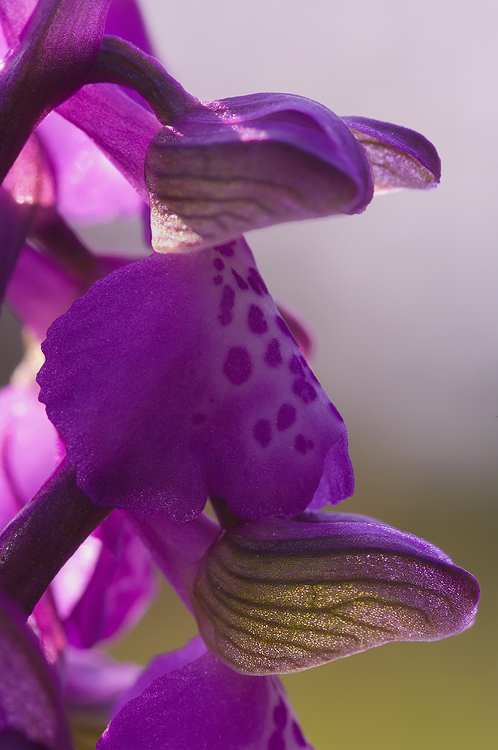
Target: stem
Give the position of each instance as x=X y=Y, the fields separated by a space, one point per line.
x=120 y=62
x=43 y=536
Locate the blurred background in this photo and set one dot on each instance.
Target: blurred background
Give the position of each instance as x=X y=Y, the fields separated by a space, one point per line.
x=403 y=300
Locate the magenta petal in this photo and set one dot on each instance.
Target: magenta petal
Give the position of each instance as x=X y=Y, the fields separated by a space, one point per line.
x=13 y=17
x=125 y=20
x=178 y=547
x=120 y=590
x=29 y=445
x=400 y=158
x=90 y=188
x=119 y=126
x=159 y=666
x=30 y=702
x=93 y=681
x=40 y=291
x=175 y=377
x=248 y=162
x=204 y=704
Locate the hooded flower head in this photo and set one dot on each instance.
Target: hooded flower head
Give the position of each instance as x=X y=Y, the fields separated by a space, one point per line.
x=194 y=336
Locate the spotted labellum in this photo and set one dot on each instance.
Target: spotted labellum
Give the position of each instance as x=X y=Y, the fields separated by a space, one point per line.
x=197 y=339
x=172 y=379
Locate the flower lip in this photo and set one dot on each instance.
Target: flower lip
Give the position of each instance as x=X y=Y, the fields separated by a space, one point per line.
x=197 y=340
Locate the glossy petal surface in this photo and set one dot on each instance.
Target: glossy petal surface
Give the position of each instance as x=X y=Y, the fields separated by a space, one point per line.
x=400 y=158
x=250 y=162
x=285 y=595
x=203 y=704
x=175 y=377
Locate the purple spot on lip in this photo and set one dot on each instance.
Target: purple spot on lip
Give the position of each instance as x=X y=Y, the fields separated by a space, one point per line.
x=218 y=280
x=218 y=264
x=296 y=367
x=298 y=735
x=256 y=320
x=276 y=741
x=256 y=282
x=198 y=419
x=262 y=432
x=302 y=445
x=226 y=304
x=286 y=417
x=280 y=715
x=304 y=390
x=240 y=281
x=237 y=367
x=273 y=357
x=226 y=250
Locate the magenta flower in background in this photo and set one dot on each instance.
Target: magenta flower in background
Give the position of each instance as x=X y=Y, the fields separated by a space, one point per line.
x=175 y=378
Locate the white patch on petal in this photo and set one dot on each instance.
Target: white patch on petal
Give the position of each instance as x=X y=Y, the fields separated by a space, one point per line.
x=71 y=581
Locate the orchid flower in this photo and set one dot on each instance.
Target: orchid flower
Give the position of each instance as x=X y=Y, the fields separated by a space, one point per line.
x=175 y=378
x=227 y=349
x=277 y=596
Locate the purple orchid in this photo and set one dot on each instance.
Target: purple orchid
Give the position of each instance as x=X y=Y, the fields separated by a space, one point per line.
x=282 y=595
x=175 y=378
x=223 y=344
x=277 y=596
